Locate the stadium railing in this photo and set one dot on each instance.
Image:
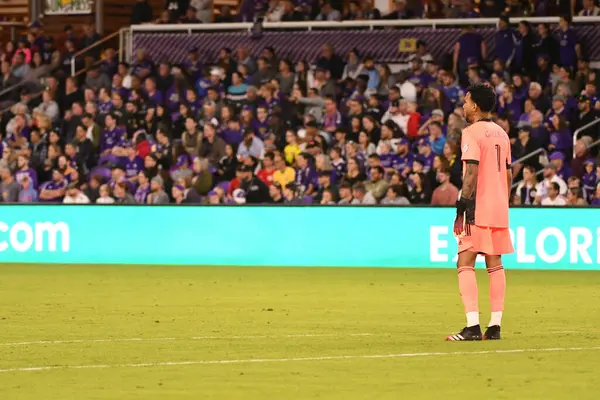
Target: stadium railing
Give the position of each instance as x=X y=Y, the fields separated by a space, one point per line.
x=128 y=36
x=583 y=128
x=99 y=44
x=539 y=152
x=12 y=26
x=371 y=24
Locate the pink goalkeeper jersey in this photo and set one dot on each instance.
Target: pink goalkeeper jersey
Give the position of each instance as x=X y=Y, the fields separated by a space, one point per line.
x=489 y=145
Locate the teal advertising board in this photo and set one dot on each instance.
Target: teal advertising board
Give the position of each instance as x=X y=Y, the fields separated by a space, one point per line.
x=544 y=238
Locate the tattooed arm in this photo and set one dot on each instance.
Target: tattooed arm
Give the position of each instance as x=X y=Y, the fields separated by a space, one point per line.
x=509 y=181
x=470 y=180
x=465 y=206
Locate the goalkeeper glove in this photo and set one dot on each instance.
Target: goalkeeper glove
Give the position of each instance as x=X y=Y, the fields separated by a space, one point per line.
x=466 y=207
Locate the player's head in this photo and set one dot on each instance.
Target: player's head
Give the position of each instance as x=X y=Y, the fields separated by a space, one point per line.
x=479 y=101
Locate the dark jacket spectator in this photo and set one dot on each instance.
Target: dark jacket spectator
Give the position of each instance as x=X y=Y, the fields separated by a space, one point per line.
x=142 y=12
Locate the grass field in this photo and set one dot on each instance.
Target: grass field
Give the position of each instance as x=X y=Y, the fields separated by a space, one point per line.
x=85 y=332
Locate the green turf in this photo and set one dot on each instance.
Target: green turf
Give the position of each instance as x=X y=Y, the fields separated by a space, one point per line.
x=246 y=313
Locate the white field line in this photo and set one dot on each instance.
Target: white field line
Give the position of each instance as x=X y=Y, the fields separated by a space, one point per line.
x=275 y=360
x=167 y=339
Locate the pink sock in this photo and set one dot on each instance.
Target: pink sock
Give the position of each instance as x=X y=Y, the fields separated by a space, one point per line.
x=467 y=284
x=497 y=287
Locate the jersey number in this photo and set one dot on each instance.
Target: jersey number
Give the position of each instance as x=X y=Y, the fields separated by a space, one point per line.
x=498 y=156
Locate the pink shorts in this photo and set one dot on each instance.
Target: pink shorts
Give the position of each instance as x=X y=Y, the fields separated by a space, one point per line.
x=486 y=240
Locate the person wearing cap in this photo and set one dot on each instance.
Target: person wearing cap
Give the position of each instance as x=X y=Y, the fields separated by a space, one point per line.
x=251 y=146
x=325 y=185
x=562 y=169
x=54 y=190
x=157 y=194
x=586 y=115
x=256 y=191
x=182 y=170
x=418 y=76
x=403 y=162
x=397 y=113
x=426 y=153
x=75 y=196
x=550 y=177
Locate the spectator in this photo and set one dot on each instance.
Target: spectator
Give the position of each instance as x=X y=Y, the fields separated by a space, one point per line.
x=550 y=177
x=105 y=195
x=255 y=190
x=570 y=48
x=396 y=196
x=419 y=191
x=54 y=190
x=251 y=146
x=290 y=14
x=275 y=11
x=361 y=196
x=400 y=11
x=142 y=12
x=157 y=194
x=122 y=195
x=528 y=189
x=266 y=173
x=328 y=13
x=369 y=12
x=27 y=194
x=330 y=61
x=9 y=187
x=446 y=193
x=283 y=175
x=554 y=198
x=589 y=9
x=377 y=186
x=75 y=196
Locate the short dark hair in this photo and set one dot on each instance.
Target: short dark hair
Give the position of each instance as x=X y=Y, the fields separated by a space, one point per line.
x=555 y=186
x=483 y=95
x=359 y=187
x=270 y=155
x=379 y=169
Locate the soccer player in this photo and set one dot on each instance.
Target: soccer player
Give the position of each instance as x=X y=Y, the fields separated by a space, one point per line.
x=482 y=211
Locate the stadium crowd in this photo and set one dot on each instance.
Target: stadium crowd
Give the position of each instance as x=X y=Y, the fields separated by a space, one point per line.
x=258 y=129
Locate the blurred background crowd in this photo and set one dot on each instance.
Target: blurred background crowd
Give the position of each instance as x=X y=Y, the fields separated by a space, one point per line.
x=257 y=128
